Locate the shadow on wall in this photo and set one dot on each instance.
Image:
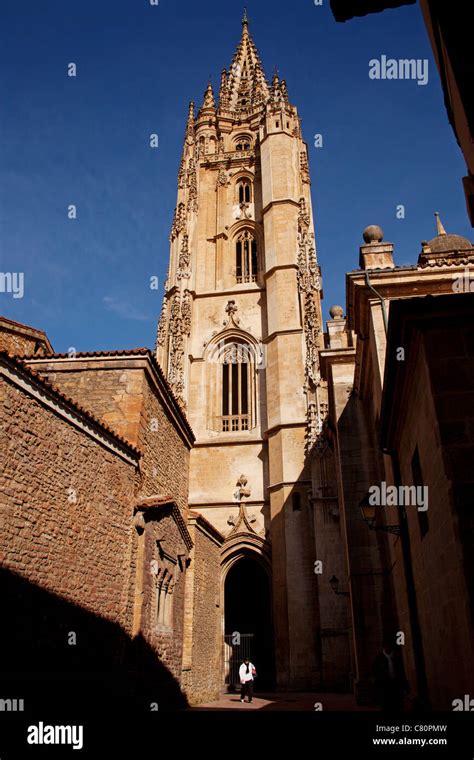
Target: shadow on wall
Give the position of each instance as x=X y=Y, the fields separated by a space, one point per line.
x=37 y=660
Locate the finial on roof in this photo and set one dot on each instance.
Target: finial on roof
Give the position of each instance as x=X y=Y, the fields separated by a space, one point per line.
x=209 y=101
x=439 y=225
x=245 y=19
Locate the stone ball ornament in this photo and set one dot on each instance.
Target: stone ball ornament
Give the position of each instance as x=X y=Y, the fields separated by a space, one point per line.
x=336 y=312
x=373 y=234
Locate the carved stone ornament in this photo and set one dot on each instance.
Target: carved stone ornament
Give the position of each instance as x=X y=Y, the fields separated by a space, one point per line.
x=231 y=310
x=222 y=179
x=179 y=328
x=184 y=260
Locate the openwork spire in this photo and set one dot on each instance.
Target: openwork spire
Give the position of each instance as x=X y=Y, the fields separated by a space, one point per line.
x=247 y=86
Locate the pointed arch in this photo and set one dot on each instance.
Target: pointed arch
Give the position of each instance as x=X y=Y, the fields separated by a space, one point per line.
x=233 y=358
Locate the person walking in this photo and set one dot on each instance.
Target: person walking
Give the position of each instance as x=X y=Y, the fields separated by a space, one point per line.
x=247 y=673
x=390 y=679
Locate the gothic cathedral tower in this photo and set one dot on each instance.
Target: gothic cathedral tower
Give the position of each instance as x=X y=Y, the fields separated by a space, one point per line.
x=238 y=340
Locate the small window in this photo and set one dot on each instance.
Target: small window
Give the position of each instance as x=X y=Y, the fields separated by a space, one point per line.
x=244 y=192
x=296 y=501
x=277 y=125
x=246 y=258
x=163 y=606
x=243 y=142
x=287 y=124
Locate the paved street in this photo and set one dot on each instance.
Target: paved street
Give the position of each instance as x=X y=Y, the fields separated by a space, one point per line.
x=285 y=702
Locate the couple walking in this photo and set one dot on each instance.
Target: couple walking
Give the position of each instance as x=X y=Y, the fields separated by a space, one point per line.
x=247 y=673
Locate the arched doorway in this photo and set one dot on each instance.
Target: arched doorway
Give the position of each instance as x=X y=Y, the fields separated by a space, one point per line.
x=248 y=621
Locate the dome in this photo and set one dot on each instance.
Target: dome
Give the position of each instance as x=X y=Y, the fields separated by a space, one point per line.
x=445 y=243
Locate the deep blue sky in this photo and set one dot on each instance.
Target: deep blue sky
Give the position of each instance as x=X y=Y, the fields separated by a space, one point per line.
x=86 y=141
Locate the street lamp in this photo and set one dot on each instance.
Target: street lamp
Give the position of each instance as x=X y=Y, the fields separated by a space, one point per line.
x=369 y=514
x=334 y=583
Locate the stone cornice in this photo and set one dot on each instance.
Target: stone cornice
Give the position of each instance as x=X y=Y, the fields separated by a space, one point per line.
x=279 y=202
x=289 y=484
x=394 y=283
x=283 y=426
x=228 y=441
x=268 y=273
x=156 y=506
x=232 y=292
x=276 y=333
x=329 y=356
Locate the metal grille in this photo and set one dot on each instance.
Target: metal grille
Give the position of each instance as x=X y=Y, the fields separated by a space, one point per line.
x=234 y=654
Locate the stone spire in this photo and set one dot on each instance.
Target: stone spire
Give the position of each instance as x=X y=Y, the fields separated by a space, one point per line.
x=247 y=85
x=209 y=101
x=439 y=225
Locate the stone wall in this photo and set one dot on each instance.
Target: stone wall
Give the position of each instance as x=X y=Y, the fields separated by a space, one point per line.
x=162 y=562
x=105 y=387
x=123 y=393
x=21 y=340
x=439 y=424
x=165 y=463
x=66 y=509
x=203 y=642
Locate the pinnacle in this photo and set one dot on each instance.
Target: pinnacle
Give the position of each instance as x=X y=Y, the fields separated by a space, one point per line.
x=247 y=83
x=439 y=225
x=209 y=101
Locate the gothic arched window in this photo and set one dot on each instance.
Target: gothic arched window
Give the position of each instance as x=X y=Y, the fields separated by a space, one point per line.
x=233 y=385
x=243 y=143
x=246 y=266
x=245 y=192
x=235 y=389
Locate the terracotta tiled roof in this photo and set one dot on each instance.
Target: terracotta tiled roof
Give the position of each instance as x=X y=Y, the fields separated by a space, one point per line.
x=21 y=324
x=454 y=261
x=53 y=389
x=85 y=354
x=20 y=327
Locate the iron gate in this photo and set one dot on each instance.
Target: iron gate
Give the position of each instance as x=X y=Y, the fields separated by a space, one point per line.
x=237 y=646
